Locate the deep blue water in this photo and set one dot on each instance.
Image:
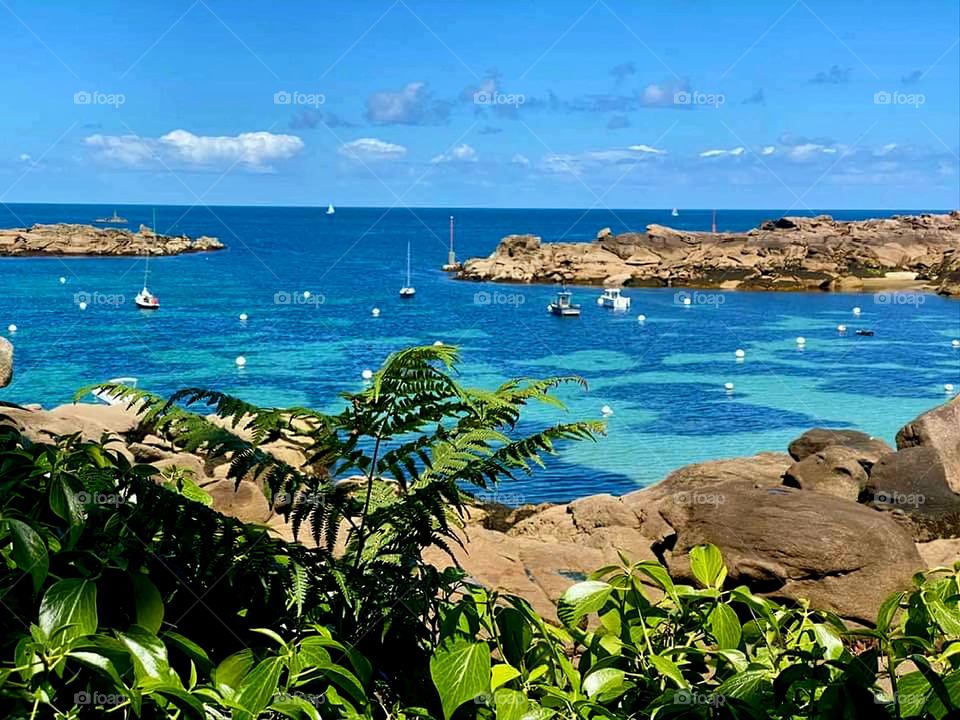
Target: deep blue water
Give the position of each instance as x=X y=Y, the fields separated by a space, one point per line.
x=664 y=379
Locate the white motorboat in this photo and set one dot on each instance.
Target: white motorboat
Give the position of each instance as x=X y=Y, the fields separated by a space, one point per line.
x=613 y=298
x=105 y=396
x=562 y=307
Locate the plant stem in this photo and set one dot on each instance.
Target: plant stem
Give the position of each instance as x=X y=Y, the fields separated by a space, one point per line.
x=366 y=504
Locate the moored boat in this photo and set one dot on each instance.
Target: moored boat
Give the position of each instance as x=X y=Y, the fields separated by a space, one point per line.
x=613 y=298
x=562 y=307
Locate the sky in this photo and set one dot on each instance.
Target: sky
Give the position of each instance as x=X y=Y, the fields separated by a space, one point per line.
x=787 y=104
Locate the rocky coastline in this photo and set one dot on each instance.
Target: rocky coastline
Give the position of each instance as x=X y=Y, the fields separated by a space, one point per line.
x=841 y=519
x=919 y=252
x=64 y=239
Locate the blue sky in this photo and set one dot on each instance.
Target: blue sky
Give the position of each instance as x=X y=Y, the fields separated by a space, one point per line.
x=735 y=103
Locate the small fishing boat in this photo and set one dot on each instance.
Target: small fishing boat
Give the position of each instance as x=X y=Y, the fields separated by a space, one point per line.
x=112 y=220
x=865 y=333
x=675 y=213
x=330 y=210
x=408 y=291
x=612 y=298
x=562 y=306
x=110 y=398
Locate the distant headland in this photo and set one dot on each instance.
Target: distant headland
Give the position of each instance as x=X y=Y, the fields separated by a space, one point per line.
x=86 y=240
x=793 y=253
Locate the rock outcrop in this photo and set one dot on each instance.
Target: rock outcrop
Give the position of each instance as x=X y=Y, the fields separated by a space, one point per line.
x=66 y=239
x=6 y=362
x=792 y=253
x=842 y=521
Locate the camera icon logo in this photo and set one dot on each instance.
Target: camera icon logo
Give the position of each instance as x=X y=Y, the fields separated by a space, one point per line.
x=282 y=97
x=681 y=97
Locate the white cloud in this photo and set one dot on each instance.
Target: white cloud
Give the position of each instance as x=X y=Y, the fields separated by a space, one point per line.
x=647 y=149
x=25 y=157
x=735 y=152
x=372 y=149
x=460 y=153
x=411 y=105
x=519 y=159
x=886 y=149
x=254 y=150
x=768 y=150
x=129 y=150
x=576 y=163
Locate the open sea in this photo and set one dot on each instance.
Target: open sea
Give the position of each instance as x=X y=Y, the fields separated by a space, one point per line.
x=663 y=379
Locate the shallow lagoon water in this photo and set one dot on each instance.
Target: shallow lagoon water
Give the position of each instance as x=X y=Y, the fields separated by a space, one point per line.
x=664 y=378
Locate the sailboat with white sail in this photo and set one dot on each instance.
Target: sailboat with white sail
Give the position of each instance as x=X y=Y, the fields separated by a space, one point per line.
x=146 y=300
x=330 y=209
x=408 y=291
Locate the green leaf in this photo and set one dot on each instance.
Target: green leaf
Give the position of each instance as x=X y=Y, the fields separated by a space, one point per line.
x=230 y=673
x=191 y=706
x=510 y=704
x=189 y=648
x=502 y=674
x=747 y=685
x=69 y=610
x=608 y=682
x=149 y=656
x=29 y=552
x=460 y=672
x=582 y=599
x=947 y=618
x=725 y=627
x=99 y=662
x=258 y=688
x=888 y=610
x=706 y=562
x=148 y=602
x=668 y=668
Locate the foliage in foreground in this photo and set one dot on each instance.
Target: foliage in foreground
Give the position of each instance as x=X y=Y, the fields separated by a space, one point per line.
x=125 y=595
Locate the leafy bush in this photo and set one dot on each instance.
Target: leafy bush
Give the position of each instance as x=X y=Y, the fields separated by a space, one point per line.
x=126 y=595
x=698 y=652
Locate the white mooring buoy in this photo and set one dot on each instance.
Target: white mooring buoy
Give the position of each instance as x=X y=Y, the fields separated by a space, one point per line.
x=801 y=341
x=366 y=374
x=12 y=328
x=243 y=317
x=606 y=411
x=955 y=343
x=841 y=328
x=740 y=354
x=375 y=312
x=241 y=361
x=948 y=388
x=82 y=305
x=63 y=280
x=728 y=387
x=306 y=294
x=856 y=311
x=641 y=318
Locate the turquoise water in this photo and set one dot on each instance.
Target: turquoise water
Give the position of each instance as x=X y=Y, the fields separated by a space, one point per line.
x=664 y=379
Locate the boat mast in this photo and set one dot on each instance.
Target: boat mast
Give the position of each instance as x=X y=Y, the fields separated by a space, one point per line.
x=451 y=255
x=146 y=264
x=408 y=265
x=714 y=225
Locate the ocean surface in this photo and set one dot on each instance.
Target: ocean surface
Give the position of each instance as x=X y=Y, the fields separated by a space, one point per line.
x=664 y=379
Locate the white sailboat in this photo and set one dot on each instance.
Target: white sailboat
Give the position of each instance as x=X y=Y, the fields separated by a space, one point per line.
x=330 y=210
x=674 y=213
x=146 y=300
x=408 y=291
